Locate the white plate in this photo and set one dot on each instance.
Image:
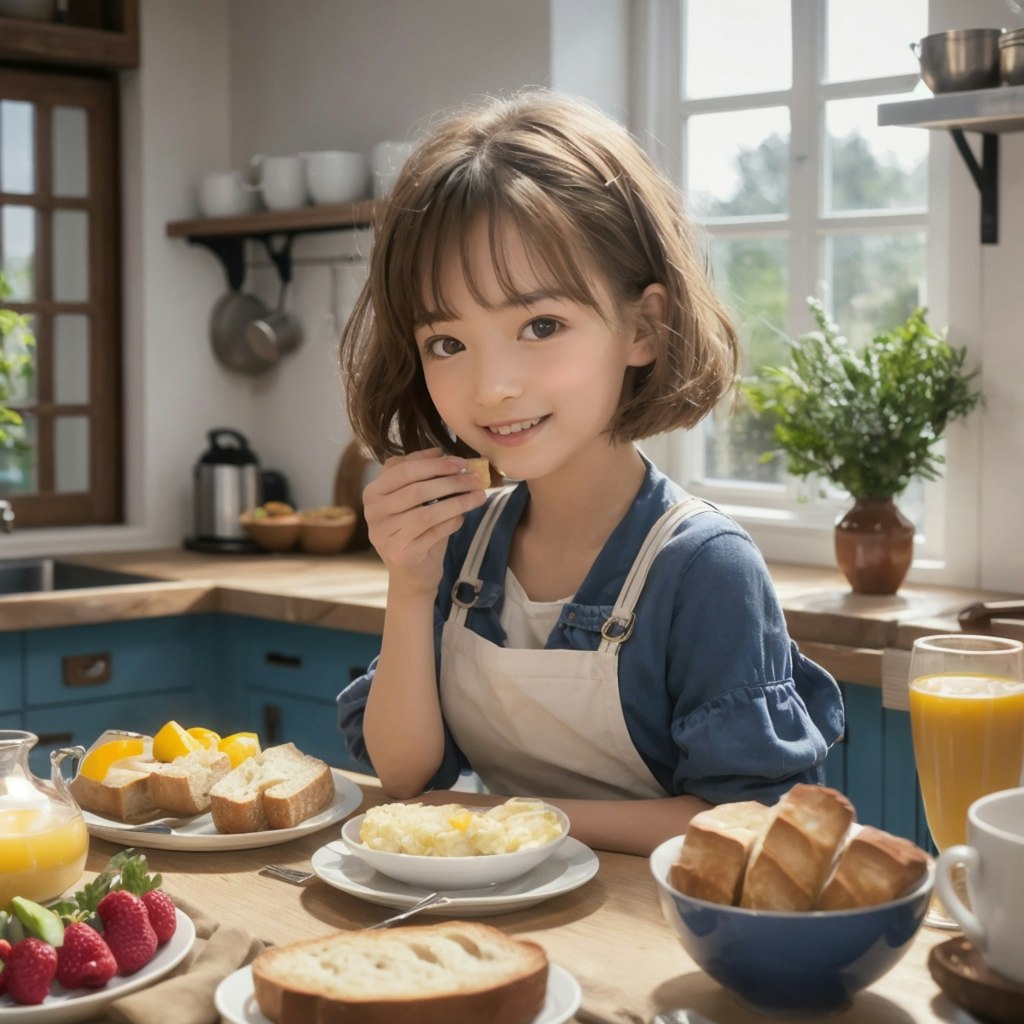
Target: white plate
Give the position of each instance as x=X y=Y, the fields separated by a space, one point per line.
x=236 y=1001
x=569 y=867
x=200 y=834
x=63 y=1006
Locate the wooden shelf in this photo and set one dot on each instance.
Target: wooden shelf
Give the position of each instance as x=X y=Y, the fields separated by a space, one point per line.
x=81 y=45
x=275 y=229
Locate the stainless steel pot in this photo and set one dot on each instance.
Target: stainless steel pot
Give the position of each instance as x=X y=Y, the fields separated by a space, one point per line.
x=226 y=483
x=229 y=321
x=1011 y=57
x=959 y=59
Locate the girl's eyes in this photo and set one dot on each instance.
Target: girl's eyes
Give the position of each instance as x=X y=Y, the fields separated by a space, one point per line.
x=443 y=347
x=540 y=328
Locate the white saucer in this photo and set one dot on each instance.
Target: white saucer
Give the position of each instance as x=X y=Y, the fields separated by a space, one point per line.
x=569 y=867
x=236 y=1001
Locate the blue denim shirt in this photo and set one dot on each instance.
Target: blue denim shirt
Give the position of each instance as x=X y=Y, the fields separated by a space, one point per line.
x=717 y=699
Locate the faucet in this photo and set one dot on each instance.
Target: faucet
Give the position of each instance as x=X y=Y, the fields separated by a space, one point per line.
x=6 y=516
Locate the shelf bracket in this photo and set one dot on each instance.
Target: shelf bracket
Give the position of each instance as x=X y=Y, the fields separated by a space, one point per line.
x=986 y=177
x=230 y=250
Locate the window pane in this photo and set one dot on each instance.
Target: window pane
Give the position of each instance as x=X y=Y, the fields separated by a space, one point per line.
x=71 y=359
x=17 y=150
x=70 y=256
x=869 y=167
x=874 y=281
x=738 y=163
x=17 y=251
x=71 y=451
x=871 y=38
x=18 y=461
x=725 y=43
x=70 y=152
x=23 y=388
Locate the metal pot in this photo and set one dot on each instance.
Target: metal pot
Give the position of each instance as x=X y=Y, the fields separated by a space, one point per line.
x=229 y=320
x=226 y=483
x=1011 y=57
x=959 y=59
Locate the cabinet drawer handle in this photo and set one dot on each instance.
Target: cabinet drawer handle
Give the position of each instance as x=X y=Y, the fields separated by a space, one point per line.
x=271 y=723
x=87 y=669
x=283 y=660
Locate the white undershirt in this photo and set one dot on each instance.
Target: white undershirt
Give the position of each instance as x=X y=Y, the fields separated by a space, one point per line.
x=527 y=623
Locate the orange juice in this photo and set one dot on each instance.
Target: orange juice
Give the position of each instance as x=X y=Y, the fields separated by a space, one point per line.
x=968 y=741
x=42 y=851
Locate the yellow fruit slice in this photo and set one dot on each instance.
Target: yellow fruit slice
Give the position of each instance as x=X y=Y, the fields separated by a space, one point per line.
x=173 y=741
x=207 y=737
x=240 y=746
x=97 y=762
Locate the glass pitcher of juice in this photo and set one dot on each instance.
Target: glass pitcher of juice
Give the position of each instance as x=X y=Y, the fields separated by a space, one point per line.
x=43 y=838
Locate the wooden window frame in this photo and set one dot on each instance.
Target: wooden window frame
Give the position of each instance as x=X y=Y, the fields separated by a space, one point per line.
x=102 y=502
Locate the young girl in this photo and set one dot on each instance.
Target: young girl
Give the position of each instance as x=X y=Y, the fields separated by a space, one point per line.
x=592 y=635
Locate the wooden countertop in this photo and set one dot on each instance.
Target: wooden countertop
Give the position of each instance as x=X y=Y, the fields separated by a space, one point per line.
x=609 y=934
x=844 y=631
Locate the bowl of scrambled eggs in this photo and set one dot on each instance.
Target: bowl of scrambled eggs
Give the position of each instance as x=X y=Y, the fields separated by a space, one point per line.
x=448 y=846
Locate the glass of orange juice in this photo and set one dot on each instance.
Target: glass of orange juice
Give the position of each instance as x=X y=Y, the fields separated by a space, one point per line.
x=967 y=721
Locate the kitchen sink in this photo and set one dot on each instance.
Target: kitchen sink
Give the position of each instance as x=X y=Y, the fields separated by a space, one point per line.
x=39 y=575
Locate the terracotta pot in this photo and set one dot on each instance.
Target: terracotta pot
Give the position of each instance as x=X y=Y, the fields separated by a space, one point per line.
x=874 y=546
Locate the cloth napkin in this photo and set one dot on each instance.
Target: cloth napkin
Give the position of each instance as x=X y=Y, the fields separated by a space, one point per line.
x=187 y=993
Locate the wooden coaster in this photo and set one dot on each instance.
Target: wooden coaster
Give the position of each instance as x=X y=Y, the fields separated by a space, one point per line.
x=960 y=971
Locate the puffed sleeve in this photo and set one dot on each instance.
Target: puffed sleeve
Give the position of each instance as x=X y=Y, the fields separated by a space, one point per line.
x=752 y=715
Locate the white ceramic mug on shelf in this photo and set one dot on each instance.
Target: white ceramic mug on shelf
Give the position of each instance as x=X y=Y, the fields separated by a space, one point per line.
x=994 y=863
x=280 y=181
x=336 y=176
x=224 y=194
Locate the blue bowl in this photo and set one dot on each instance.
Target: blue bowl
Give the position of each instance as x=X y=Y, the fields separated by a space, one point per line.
x=790 y=963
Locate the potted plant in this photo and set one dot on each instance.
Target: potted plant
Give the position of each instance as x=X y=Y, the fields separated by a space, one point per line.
x=868 y=421
x=16 y=342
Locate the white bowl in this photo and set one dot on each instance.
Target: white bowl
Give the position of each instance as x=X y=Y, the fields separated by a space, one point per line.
x=336 y=176
x=441 y=873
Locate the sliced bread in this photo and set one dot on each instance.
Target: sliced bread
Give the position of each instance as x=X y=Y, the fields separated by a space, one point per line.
x=457 y=972
x=278 y=788
x=183 y=786
x=123 y=793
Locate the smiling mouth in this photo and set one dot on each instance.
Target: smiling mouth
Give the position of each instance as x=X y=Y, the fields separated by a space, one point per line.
x=505 y=429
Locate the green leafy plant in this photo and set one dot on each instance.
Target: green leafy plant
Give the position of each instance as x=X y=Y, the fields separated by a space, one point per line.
x=15 y=366
x=867 y=420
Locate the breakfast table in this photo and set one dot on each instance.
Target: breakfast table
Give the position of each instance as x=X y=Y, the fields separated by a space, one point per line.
x=609 y=933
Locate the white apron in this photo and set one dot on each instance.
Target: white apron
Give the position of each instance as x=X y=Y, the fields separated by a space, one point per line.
x=539 y=722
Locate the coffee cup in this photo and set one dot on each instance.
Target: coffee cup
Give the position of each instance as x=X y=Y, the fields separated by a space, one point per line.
x=387 y=161
x=336 y=176
x=280 y=181
x=223 y=194
x=993 y=862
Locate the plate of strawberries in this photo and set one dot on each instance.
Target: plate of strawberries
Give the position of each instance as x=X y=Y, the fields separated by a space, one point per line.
x=68 y=961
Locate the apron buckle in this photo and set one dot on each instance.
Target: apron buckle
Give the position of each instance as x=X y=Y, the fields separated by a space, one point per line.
x=466 y=593
x=618 y=629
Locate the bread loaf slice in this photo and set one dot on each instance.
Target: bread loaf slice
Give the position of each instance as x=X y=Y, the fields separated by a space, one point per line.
x=457 y=972
x=183 y=785
x=123 y=794
x=713 y=860
x=278 y=788
x=874 y=867
x=789 y=866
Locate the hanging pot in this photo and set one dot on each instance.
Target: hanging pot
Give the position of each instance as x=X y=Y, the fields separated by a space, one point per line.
x=229 y=321
x=874 y=546
x=274 y=333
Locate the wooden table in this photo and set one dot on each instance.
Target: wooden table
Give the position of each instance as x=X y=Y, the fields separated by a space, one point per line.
x=609 y=934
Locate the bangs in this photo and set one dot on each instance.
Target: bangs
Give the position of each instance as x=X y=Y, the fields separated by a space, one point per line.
x=509 y=205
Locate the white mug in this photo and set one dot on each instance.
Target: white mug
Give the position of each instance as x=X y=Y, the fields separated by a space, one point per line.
x=336 y=176
x=387 y=161
x=994 y=863
x=223 y=194
x=280 y=181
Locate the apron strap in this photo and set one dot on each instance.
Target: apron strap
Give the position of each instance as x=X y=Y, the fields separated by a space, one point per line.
x=619 y=625
x=466 y=589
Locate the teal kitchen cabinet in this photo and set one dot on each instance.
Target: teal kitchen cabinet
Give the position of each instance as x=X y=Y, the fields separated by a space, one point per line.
x=11 y=665
x=874 y=765
x=286 y=677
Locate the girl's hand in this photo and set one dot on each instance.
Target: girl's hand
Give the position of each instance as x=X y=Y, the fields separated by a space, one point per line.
x=413 y=506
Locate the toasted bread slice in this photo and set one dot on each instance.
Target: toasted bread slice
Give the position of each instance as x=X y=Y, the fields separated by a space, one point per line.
x=183 y=785
x=874 y=867
x=123 y=794
x=457 y=972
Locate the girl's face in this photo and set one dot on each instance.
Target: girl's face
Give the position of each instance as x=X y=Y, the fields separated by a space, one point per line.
x=531 y=382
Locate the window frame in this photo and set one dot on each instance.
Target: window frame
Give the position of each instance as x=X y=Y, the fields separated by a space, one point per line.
x=102 y=501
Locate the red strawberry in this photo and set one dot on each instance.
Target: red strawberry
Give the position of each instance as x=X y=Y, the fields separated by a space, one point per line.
x=85 y=960
x=29 y=969
x=127 y=930
x=5 y=952
x=162 y=915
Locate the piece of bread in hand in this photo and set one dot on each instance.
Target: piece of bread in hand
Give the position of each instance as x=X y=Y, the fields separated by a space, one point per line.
x=713 y=860
x=277 y=788
x=183 y=785
x=481 y=469
x=789 y=865
x=123 y=794
x=457 y=972
x=874 y=867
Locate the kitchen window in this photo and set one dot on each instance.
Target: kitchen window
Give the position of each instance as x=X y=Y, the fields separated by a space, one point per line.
x=59 y=253
x=766 y=113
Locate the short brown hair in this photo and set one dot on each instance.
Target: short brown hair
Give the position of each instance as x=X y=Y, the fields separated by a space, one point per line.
x=583 y=194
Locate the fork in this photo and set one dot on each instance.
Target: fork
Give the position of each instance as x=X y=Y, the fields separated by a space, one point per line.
x=286 y=874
